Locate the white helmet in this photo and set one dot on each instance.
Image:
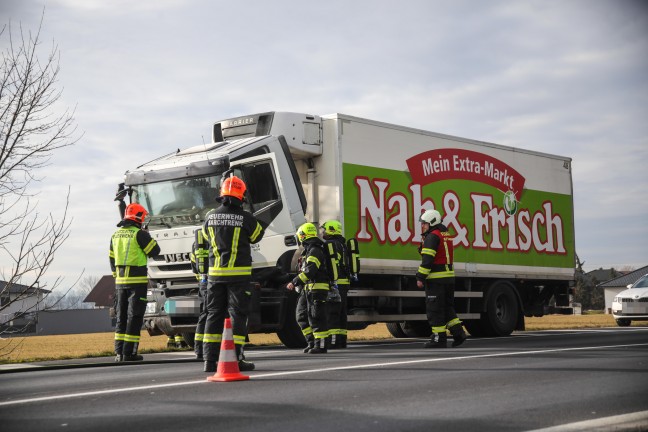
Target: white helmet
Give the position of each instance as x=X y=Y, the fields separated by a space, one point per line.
x=432 y=217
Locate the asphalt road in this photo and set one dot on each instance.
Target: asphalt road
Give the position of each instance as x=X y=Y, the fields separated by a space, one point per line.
x=566 y=380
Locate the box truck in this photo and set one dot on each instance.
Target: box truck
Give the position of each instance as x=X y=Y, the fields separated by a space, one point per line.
x=510 y=212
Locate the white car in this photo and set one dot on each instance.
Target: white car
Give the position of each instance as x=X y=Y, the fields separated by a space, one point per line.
x=632 y=304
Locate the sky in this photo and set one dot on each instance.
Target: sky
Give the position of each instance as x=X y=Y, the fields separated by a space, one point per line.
x=565 y=77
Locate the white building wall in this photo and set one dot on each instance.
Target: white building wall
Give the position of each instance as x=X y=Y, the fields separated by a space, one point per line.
x=609 y=294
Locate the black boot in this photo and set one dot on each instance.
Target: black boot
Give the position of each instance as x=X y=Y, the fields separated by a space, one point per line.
x=341 y=341
x=209 y=366
x=331 y=341
x=458 y=335
x=198 y=350
x=133 y=357
x=319 y=348
x=130 y=352
x=438 y=340
x=309 y=347
x=244 y=366
x=180 y=342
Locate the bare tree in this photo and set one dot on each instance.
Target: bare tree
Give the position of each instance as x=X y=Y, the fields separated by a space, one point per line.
x=31 y=129
x=627 y=269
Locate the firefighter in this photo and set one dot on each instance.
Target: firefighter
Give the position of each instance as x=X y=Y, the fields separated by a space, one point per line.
x=337 y=305
x=313 y=284
x=130 y=246
x=436 y=275
x=199 y=264
x=230 y=231
x=170 y=341
x=176 y=341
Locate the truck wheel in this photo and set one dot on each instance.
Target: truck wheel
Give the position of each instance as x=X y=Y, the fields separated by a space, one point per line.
x=502 y=310
x=290 y=334
x=395 y=329
x=623 y=322
x=189 y=338
x=416 y=329
x=475 y=328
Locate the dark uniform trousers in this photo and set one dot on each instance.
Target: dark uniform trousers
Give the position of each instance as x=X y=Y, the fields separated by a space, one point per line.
x=439 y=294
x=337 y=321
x=130 y=306
x=224 y=297
x=312 y=313
x=202 y=318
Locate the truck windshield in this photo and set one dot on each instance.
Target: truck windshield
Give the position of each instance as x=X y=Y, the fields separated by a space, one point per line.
x=177 y=203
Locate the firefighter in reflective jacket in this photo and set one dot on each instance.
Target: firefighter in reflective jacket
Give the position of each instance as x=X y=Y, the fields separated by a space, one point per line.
x=130 y=246
x=337 y=307
x=436 y=275
x=313 y=282
x=200 y=264
x=230 y=231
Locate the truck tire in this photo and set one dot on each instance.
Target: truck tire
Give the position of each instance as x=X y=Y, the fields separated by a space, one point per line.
x=395 y=329
x=290 y=334
x=502 y=310
x=416 y=329
x=189 y=339
x=475 y=328
x=623 y=322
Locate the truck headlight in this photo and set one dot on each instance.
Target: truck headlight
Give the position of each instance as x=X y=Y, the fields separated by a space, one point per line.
x=150 y=307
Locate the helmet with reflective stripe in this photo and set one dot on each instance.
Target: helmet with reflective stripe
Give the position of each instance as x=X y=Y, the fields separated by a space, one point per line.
x=332 y=227
x=306 y=231
x=432 y=217
x=135 y=212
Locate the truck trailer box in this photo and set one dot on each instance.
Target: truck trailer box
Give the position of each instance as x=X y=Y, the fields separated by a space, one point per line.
x=510 y=210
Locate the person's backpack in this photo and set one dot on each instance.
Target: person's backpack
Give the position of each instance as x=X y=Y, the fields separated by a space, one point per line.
x=332 y=253
x=352 y=258
x=346 y=257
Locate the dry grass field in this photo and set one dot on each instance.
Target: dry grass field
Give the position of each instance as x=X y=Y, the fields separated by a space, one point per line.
x=40 y=348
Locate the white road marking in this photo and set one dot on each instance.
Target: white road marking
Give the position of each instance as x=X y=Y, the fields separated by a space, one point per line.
x=623 y=422
x=310 y=371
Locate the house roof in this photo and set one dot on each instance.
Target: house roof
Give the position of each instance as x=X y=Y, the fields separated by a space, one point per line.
x=103 y=293
x=625 y=280
x=15 y=288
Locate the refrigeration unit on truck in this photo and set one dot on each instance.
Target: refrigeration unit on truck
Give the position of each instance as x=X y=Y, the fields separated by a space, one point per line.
x=510 y=212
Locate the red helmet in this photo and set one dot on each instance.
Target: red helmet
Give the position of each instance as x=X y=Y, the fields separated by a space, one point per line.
x=234 y=187
x=135 y=212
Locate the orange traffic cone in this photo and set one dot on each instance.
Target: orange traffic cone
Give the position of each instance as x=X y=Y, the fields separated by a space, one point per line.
x=228 y=369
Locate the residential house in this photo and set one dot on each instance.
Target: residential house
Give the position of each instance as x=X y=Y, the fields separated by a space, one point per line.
x=18 y=300
x=103 y=293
